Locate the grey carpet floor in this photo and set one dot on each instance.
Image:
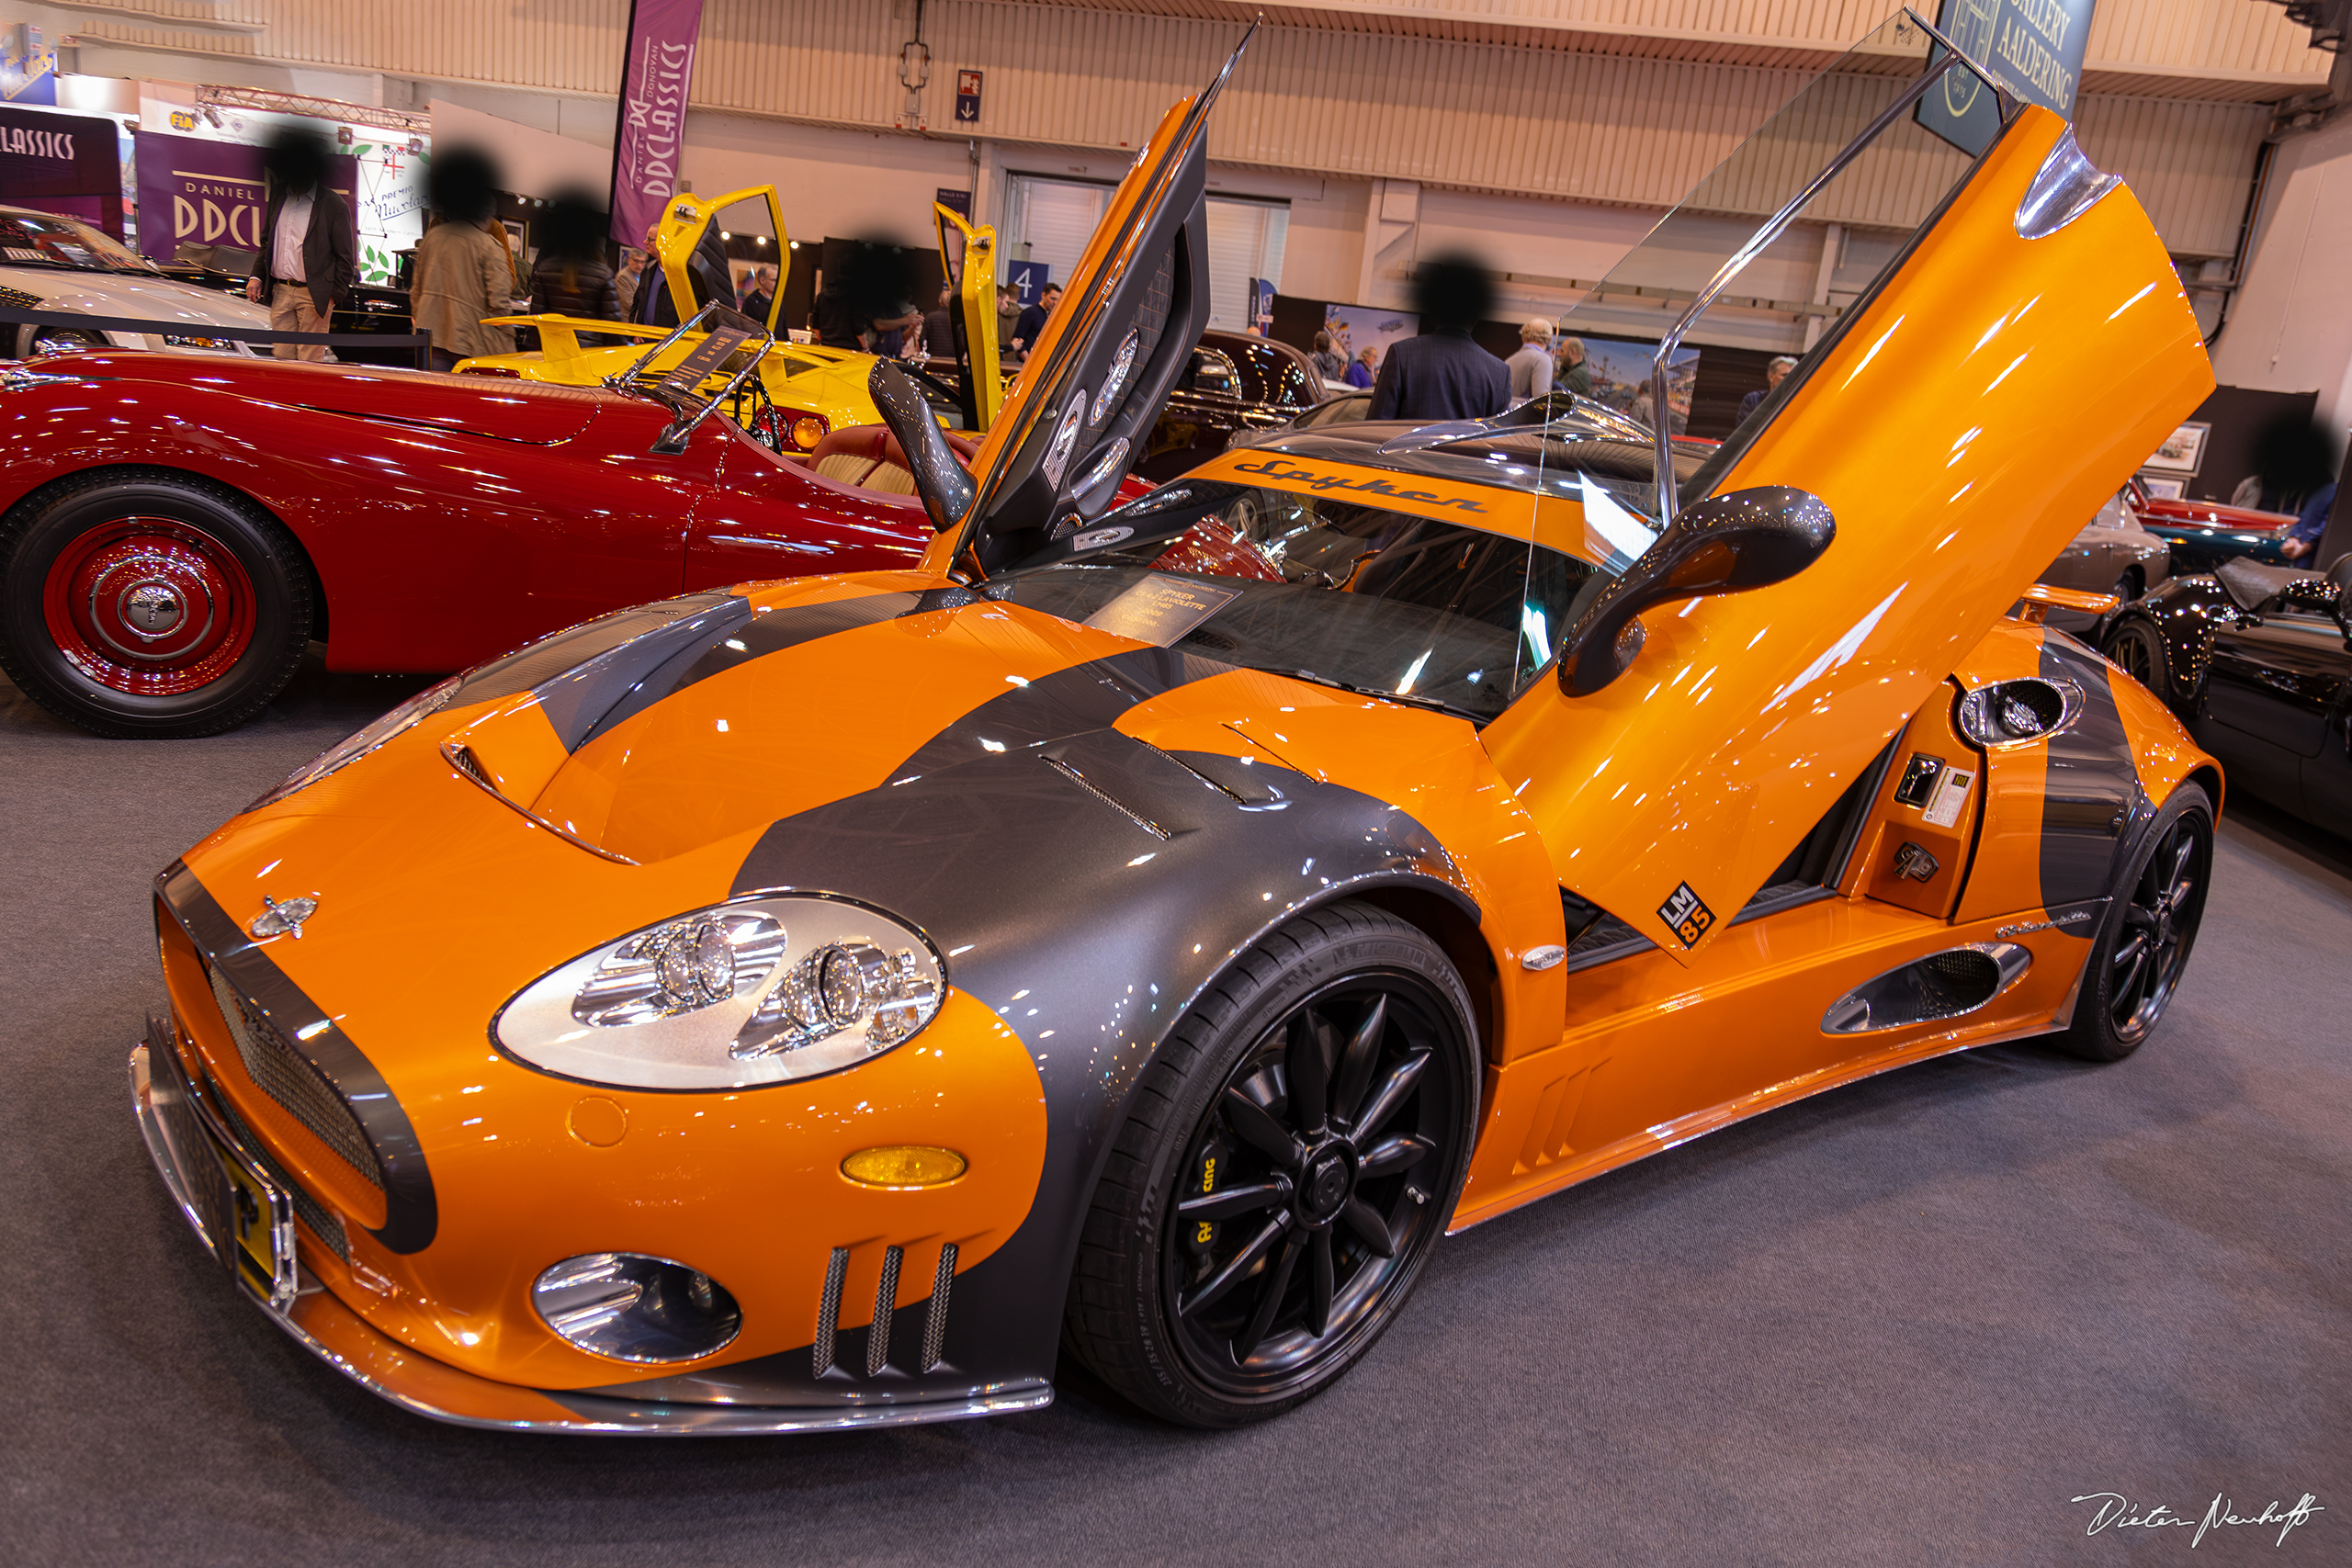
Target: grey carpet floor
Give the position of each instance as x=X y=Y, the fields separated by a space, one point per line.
x=1902 y=1322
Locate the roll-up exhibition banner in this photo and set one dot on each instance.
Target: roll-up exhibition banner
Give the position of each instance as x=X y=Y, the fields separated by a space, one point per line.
x=2035 y=47
x=654 y=78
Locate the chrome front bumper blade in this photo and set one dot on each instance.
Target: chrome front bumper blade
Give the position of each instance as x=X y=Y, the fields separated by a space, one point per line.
x=322 y=1323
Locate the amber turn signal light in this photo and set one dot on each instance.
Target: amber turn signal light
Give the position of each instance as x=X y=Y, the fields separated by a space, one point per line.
x=903 y=1164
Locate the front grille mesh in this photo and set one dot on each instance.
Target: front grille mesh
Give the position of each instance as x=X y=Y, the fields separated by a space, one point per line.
x=324 y=1223
x=283 y=1074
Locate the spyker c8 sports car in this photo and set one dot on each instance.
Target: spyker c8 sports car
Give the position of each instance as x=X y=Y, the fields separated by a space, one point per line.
x=812 y=1004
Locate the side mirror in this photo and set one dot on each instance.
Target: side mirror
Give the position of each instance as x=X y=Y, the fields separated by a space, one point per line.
x=1725 y=544
x=939 y=481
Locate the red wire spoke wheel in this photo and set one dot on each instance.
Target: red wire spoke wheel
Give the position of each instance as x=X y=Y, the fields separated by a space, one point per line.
x=149 y=606
x=146 y=602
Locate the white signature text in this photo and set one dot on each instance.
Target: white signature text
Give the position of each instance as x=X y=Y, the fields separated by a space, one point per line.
x=2114 y=1509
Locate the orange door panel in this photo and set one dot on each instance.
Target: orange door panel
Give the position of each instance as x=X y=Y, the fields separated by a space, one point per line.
x=1927 y=429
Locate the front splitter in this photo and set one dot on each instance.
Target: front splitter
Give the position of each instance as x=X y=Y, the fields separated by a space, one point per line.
x=323 y=1325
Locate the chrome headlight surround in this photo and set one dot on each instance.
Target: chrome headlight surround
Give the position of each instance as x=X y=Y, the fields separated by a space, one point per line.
x=759 y=990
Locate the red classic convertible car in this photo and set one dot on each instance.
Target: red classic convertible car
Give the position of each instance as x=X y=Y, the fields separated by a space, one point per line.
x=175 y=531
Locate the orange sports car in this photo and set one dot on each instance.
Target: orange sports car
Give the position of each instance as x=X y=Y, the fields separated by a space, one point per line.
x=827 y=1002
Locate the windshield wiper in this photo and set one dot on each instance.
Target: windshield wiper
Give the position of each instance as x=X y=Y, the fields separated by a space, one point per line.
x=1383 y=696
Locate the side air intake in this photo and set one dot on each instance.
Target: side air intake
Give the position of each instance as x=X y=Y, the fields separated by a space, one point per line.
x=1950 y=984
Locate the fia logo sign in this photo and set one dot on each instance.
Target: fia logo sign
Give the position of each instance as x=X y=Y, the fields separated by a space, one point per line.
x=1685 y=915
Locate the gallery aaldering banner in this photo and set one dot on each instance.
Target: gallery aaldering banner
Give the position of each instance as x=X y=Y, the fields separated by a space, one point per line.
x=196 y=192
x=62 y=163
x=654 y=79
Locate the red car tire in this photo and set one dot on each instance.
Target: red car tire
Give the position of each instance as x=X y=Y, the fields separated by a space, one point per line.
x=140 y=602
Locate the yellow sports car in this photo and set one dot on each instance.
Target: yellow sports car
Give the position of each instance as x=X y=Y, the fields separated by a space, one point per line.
x=827 y=1002
x=810 y=390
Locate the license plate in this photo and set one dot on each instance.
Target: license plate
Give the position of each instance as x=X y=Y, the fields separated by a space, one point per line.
x=247 y=1218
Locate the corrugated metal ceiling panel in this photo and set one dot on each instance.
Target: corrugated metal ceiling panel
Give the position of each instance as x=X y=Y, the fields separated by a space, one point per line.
x=1622 y=128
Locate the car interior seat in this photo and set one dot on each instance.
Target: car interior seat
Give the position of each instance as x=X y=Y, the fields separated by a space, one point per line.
x=869 y=457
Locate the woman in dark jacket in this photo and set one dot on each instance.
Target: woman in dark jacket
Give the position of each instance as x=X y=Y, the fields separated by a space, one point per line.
x=570 y=277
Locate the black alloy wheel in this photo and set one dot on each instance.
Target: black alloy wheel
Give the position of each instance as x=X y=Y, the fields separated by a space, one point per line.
x=2143 y=945
x=1296 y=1148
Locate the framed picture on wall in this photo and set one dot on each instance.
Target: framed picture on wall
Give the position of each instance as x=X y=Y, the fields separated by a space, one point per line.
x=2181 y=452
x=2160 y=486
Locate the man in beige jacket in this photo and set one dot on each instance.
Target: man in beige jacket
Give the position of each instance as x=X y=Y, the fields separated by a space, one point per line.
x=462 y=271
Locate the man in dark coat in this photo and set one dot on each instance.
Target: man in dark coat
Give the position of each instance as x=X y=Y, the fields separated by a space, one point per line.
x=305 y=265
x=1442 y=373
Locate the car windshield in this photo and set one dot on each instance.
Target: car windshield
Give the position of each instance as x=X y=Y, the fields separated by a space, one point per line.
x=42 y=238
x=1445 y=566
x=1434 y=598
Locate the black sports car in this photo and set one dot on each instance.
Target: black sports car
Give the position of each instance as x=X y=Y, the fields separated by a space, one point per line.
x=2258 y=661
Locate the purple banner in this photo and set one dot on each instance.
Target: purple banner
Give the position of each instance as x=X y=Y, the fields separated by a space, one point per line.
x=654 y=78
x=62 y=164
x=194 y=192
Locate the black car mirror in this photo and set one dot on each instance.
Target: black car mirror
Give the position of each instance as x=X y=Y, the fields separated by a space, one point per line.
x=1725 y=544
x=941 y=483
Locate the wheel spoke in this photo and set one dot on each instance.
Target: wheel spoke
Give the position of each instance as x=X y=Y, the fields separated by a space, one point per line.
x=2129 y=989
x=1257 y=1124
x=1320 y=1284
x=1390 y=1095
x=1270 y=1303
x=1362 y=1054
x=1235 y=1268
x=1307 y=1065
x=1373 y=1230
x=1237 y=1200
x=1393 y=1155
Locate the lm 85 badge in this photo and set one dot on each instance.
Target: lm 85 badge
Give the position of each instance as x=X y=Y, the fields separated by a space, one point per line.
x=1685 y=915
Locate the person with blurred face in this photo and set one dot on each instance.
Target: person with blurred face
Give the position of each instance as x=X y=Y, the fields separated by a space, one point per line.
x=570 y=277
x=1443 y=374
x=463 y=272
x=305 y=265
x=1366 y=368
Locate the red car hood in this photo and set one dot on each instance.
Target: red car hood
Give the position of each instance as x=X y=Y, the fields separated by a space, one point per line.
x=525 y=412
x=2212 y=514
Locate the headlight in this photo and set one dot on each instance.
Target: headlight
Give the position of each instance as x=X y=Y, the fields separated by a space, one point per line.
x=345 y=752
x=754 y=992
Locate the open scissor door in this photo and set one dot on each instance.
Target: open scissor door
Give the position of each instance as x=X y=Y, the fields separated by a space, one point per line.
x=2022 y=347
x=967 y=260
x=692 y=246
x=1100 y=374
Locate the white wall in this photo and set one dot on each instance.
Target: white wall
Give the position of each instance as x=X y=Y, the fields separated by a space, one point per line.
x=2290 y=326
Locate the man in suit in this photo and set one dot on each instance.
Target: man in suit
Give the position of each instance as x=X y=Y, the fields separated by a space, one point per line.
x=1442 y=374
x=305 y=265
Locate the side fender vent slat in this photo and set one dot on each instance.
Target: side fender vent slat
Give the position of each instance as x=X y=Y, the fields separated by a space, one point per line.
x=829 y=1310
x=885 y=1298
x=934 y=1328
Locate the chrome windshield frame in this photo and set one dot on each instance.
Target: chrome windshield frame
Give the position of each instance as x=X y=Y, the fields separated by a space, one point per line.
x=1662 y=435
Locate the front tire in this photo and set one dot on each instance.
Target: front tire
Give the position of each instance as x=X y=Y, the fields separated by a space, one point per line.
x=2143 y=944
x=151 y=604
x=1292 y=1154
